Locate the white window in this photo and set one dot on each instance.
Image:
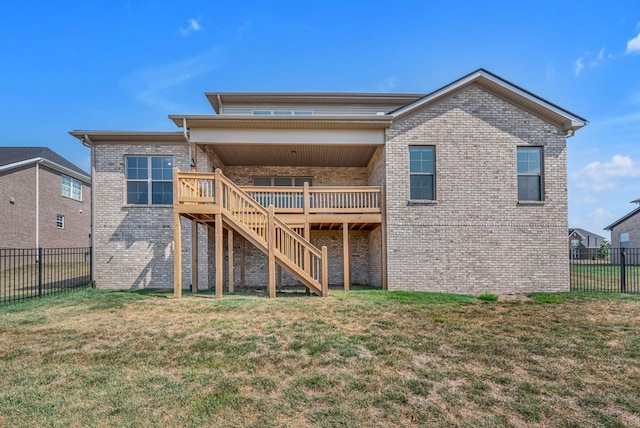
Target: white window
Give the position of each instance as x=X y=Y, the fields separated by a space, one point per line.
x=60 y=221
x=71 y=188
x=149 y=180
x=575 y=242
x=624 y=240
x=529 y=173
x=421 y=173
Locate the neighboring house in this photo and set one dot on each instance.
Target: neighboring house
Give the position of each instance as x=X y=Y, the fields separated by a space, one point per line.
x=625 y=232
x=583 y=244
x=461 y=190
x=45 y=200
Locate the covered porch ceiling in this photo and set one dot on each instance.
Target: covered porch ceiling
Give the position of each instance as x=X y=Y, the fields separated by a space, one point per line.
x=318 y=155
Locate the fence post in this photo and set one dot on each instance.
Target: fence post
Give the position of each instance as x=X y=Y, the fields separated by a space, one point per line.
x=623 y=271
x=39 y=271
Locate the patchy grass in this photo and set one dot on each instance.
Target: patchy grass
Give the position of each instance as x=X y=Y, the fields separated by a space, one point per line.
x=362 y=358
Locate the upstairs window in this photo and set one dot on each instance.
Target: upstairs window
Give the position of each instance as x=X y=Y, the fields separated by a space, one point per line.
x=421 y=173
x=624 y=240
x=282 y=113
x=149 y=180
x=529 y=173
x=575 y=242
x=71 y=188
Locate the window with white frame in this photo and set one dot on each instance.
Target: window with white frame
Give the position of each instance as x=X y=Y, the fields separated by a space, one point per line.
x=624 y=240
x=529 y=173
x=422 y=173
x=71 y=188
x=575 y=242
x=149 y=180
x=60 y=221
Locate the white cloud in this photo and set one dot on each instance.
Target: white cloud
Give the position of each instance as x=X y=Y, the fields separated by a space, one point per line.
x=153 y=87
x=633 y=45
x=578 y=66
x=550 y=71
x=594 y=221
x=194 y=26
x=601 y=176
x=387 y=85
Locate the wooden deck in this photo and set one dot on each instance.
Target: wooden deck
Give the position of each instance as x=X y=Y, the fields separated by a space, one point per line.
x=277 y=220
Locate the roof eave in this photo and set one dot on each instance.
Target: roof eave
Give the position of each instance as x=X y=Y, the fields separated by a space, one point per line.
x=237 y=121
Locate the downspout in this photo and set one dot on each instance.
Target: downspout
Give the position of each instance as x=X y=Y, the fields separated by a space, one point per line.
x=186 y=138
x=38 y=205
x=86 y=141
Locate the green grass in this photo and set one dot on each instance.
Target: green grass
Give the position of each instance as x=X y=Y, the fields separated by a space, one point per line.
x=359 y=358
x=602 y=276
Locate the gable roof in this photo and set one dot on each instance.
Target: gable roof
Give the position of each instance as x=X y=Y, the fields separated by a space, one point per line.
x=13 y=157
x=592 y=240
x=504 y=89
x=621 y=219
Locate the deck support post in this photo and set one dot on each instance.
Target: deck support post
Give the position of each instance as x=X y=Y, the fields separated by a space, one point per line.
x=307 y=256
x=177 y=256
x=271 y=244
x=218 y=232
x=194 y=256
x=230 y=259
x=242 y=256
x=325 y=272
x=346 y=251
x=383 y=232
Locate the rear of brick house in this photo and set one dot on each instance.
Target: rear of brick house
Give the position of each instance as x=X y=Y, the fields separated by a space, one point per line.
x=465 y=190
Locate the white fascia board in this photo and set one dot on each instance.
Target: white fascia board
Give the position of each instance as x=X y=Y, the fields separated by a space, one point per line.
x=52 y=165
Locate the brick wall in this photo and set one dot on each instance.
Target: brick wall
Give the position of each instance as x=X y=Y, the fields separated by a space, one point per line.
x=476 y=237
x=134 y=244
x=19 y=218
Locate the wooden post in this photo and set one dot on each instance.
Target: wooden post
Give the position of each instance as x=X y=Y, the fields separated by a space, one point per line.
x=307 y=256
x=219 y=254
x=346 y=254
x=177 y=240
x=383 y=232
x=194 y=256
x=271 y=265
x=230 y=259
x=242 y=250
x=325 y=272
x=177 y=256
x=306 y=200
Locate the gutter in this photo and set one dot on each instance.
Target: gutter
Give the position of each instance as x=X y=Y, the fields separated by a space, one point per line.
x=86 y=141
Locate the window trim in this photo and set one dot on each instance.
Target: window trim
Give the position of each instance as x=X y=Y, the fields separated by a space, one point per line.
x=540 y=176
x=149 y=180
x=432 y=174
x=59 y=221
x=70 y=187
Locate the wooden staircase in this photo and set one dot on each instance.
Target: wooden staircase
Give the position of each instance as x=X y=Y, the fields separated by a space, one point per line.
x=217 y=195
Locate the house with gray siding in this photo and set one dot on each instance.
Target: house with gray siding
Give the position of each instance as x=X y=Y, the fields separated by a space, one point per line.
x=460 y=190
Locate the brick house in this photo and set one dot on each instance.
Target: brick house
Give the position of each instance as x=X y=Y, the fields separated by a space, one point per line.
x=625 y=232
x=461 y=190
x=45 y=200
x=583 y=244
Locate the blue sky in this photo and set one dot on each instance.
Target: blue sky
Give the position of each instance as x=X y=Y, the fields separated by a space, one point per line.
x=127 y=65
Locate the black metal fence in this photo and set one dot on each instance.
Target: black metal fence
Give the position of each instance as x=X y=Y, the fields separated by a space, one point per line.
x=38 y=272
x=612 y=270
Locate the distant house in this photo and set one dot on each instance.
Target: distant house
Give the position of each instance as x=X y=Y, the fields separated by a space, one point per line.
x=45 y=200
x=583 y=244
x=625 y=232
x=399 y=191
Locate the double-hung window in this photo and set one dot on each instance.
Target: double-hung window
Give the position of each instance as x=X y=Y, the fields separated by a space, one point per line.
x=624 y=240
x=149 y=180
x=60 y=221
x=422 y=173
x=71 y=188
x=529 y=173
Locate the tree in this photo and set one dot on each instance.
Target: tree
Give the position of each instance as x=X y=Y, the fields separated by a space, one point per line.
x=604 y=251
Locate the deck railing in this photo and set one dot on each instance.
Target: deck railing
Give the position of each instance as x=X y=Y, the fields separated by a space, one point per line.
x=199 y=188
x=264 y=227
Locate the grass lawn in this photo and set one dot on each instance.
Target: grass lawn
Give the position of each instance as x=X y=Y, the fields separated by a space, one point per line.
x=356 y=359
x=598 y=276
